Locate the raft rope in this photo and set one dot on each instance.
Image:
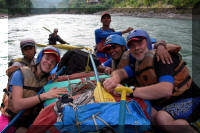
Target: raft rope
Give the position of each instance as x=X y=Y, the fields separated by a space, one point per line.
x=95 y=123
x=78 y=87
x=93 y=117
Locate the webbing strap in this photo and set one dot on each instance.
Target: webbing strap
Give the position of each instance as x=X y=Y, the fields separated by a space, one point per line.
x=87 y=68
x=95 y=123
x=103 y=121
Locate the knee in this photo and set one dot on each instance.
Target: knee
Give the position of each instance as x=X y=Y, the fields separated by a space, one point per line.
x=163 y=118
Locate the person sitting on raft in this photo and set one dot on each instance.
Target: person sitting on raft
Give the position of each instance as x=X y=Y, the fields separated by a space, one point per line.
x=26 y=82
x=169 y=87
x=28 y=50
x=54 y=37
x=115 y=47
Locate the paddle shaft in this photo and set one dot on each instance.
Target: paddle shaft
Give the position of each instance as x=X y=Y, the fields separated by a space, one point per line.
x=122 y=108
x=122 y=115
x=47 y=29
x=19 y=114
x=98 y=89
x=122 y=112
x=57 y=74
x=94 y=67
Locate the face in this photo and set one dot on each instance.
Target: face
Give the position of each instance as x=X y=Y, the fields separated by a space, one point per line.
x=55 y=32
x=115 y=51
x=48 y=62
x=138 y=49
x=28 y=52
x=106 y=20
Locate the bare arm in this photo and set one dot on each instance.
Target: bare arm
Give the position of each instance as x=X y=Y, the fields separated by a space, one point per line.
x=173 y=48
x=117 y=76
x=127 y=30
x=61 y=40
x=20 y=103
x=11 y=69
x=155 y=91
x=104 y=69
x=163 y=49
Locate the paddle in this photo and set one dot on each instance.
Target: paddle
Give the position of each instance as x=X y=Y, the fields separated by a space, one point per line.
x=63 y=46
x=100 y=95
x=47 y=29
x=51 y=32
x=122 y=112
x=41 y=90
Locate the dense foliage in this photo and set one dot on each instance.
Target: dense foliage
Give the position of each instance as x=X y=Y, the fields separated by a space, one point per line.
x=137 y=3
x=16 y=6
x=24 y=6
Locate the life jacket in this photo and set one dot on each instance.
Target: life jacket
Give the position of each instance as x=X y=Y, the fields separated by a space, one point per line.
x=100 y=45
x=9 y=72
x=31 y=86
x=22 y=61
x=146 y=75
x=126 y=60
x=52 y=39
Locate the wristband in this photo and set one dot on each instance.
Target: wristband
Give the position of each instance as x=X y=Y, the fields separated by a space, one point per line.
x=39 y=98
x=162 y=43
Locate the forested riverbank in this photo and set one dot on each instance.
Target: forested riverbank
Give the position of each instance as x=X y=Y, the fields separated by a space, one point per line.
x=181 y=9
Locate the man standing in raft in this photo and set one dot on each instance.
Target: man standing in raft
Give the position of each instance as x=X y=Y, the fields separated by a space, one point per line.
x=102 y=33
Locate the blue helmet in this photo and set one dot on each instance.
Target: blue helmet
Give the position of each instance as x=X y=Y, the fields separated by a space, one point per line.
x=114 y=40
x=137 y=34
x=153 y=40
x=48 y=49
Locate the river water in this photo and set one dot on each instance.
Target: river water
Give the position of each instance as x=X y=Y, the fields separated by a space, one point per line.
x=79 y=30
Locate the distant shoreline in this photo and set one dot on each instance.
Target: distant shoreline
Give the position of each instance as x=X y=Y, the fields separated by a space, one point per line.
x=135 y=12
x=3 y=15
x=151 y=13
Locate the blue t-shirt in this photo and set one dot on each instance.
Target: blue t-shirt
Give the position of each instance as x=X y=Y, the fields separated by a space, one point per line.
x=16 y=80
x=103 y=34
x=108 y=63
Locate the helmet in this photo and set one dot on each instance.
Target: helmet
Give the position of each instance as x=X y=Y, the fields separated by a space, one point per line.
x=137 y=35
x=114 y=40
x=153 y=40
x=48 y=50
x=27 y=42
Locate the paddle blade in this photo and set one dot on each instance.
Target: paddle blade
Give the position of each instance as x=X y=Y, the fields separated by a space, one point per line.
x=100 y=95
x=47 y=29
x=61 y=46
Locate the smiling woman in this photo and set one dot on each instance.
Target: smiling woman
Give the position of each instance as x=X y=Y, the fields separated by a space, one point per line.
x=49 y=60
x=24 y=85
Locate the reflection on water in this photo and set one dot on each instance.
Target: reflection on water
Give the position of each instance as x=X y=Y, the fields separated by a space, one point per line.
x=79 y=30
